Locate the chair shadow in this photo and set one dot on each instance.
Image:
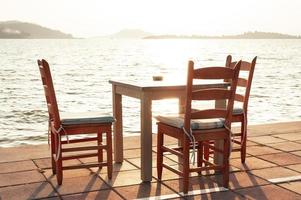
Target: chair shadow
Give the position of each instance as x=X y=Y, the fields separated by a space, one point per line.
x=42 y=186
x=145 y=188
x=236 y=184
x=94 y=177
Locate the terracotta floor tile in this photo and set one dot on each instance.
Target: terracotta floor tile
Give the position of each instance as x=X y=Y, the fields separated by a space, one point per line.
x=236 y=155
x=201 y=183
x=293 y=186
x=132 y=153
x=251 y=163
x=217 y=195
x=125 y=165
x=137 y=161
x=167 y=140
x=171 y=157
x=282 y=158
x=166 y=174
x=144 y=190
x=275 y=128
x=243 y=179
x=265 y=139
x=261 y=150
x=102 y=194
x=289 y=136
x=17 y=166
x=195 y=183
x=298 y=153
x=268 y=192
x=275 y=172
x=286 y=146
x=131 y=142
x=27 y=191
x=79 y=184
x=11 y=154
x=212 y=172
x=169 y=175
x=295 y=167
x=233 y=155
x=24 y=177
x=123 y=178
x=250 y=143
x=69 y=173
x=43 y=163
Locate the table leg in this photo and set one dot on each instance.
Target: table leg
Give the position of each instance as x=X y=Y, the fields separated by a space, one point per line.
x=117 y=128
x=218 y=158
x=146 y=138
x=182 y=101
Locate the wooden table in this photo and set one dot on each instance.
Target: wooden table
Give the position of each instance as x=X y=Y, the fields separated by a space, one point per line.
x=146 y=92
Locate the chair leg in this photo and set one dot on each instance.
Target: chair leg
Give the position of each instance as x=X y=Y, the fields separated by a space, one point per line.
x=226 y=163
x=243 y=140
x=206 y=151
x=109 y=153
x=100 y=150
x=185 y=166
x=53 y=149
x=200 y=154
x=160 y=142
x=59 y=162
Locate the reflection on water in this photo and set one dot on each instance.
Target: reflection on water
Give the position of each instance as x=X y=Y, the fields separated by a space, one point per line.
x=82 y=68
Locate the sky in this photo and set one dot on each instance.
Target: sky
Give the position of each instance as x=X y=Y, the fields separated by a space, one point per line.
x=89 y=18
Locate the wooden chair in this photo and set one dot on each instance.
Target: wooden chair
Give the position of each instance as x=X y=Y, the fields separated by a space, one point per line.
x=240 y=113
x=198 y=125
x=60 y=128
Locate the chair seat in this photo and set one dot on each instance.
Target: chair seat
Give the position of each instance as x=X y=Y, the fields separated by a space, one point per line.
x=238 y=111
x=85 y=118
x=200 y=124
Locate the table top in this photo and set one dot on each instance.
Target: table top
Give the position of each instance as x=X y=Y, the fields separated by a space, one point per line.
x=165 y=84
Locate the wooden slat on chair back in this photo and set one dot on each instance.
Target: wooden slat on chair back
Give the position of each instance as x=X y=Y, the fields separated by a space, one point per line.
x=244 y=82
x=211 y=93
x=49 y=92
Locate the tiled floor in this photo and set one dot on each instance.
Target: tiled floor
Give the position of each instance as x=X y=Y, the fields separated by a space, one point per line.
x=274 y=151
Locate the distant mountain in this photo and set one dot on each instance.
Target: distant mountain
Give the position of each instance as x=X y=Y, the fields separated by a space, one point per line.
x=23 y=30
x=130 y=34
x=263 y=35
x=247 y=35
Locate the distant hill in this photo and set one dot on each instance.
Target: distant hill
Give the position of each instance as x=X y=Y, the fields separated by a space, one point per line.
x=247 y=35
x=23 y=30
x=130 y=34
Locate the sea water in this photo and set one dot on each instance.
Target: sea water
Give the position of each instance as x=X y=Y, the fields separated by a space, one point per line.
x=81 y=69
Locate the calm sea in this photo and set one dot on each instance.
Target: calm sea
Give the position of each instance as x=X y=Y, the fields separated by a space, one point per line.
x=82 y=68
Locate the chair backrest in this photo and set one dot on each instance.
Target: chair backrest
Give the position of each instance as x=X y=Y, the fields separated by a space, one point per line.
x=52 y=106
x=243 y=82
x=226 y=94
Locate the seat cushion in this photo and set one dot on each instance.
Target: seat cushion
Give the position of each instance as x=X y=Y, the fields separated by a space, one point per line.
x=178 y=121
x=238 y=111
x=85 y=118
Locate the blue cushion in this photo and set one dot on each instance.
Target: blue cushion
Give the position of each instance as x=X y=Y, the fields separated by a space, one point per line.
x=238 y=111
x=178 y=121
x=85 y=118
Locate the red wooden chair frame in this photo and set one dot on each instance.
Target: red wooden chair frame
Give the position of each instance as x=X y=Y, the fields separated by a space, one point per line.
x=240 y=114
x=200 y=135
x=59 y=128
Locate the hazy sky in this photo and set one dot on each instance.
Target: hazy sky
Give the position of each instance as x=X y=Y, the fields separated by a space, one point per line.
x=84 y=18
